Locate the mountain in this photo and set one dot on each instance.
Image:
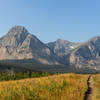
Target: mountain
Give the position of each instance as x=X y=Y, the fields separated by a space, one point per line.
x=87 y=55
x=79 y=55
x=20 y=48
x=62 y=47
x=18 y=43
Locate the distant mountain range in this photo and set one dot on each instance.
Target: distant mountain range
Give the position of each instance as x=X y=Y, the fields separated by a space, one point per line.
x=62 y=47
x=19 y=44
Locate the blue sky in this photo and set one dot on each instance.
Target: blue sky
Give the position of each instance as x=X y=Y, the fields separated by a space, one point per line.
x=73 y=20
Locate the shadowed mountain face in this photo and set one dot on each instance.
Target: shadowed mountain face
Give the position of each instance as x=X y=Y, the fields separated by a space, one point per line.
x=18 y=43
x=87 y=55
x=80 y=55
x=62 y=47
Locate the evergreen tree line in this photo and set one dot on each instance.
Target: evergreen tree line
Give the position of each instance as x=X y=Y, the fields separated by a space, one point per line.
x=11 y=75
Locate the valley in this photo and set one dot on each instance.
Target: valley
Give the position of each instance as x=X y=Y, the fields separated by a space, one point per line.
x=49 y=50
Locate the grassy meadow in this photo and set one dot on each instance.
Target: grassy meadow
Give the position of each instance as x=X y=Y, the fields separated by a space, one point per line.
x=56 y=87
x=96 y=87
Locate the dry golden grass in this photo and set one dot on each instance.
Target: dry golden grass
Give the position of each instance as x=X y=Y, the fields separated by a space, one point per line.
x=96 y=87
x=56 y=87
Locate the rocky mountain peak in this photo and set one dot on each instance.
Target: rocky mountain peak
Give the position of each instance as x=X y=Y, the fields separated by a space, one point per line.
x=62 y=41
x=14 y=37
x=87 y=54
x=95 y=39
x=62 y=47
x=18 y=30
x=18 y=43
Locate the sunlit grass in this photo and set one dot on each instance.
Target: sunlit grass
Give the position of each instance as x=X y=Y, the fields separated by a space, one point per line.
x=96 y=87
x=56 y=87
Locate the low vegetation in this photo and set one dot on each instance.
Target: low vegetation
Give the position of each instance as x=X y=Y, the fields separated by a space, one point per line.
x=56 y=87
x=96 y=87
x=11 y=75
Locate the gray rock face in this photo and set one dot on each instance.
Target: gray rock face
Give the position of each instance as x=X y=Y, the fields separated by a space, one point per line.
x=79 y=55
x=14 y=37
x=62 y=47
x=18 y=43
x=87 y=55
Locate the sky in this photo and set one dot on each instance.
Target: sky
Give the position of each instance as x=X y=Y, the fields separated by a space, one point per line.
x=49 y=20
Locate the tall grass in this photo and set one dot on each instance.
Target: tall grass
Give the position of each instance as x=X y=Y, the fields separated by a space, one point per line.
x=96 y=87
x=56 y=87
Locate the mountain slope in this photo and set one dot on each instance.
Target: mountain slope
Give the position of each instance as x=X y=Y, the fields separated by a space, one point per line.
x=87 y=55
x=62 y=47
x=18 y=43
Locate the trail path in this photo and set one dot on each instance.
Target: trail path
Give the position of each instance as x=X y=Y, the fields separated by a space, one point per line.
x=88 y=94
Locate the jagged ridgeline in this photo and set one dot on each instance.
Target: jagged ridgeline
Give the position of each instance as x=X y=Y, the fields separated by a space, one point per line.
x=21 y=50
x=24 y=50
x=18 y=43
x=79 y=55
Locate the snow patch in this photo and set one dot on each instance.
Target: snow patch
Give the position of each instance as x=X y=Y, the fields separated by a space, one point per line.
x=71 y=47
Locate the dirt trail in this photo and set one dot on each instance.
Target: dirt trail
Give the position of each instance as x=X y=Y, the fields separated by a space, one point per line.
x=88 y=94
